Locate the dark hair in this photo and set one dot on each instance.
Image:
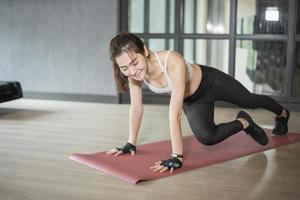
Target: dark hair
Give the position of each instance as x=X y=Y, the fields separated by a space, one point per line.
x=123 y=42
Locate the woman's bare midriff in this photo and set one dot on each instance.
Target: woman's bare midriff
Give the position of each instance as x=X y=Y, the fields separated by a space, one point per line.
x=193 y=85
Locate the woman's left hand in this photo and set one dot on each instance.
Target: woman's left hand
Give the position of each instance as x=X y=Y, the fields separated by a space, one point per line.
x=165 y=165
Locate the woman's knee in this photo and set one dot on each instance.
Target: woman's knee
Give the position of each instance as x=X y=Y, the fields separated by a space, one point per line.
x=206 y=138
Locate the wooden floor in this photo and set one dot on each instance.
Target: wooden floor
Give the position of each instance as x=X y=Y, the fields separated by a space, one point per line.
x=36 y=138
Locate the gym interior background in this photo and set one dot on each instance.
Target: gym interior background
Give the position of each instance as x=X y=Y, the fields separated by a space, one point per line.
x=59 y=49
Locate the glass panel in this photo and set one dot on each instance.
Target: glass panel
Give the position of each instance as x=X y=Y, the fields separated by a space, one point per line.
x=157 y=18
x=207 y=52
x=188 y=50
x=161 y=16
x=157 y=44
x=136 y=16
x=260 y=66
x=170 y=45
x=296 y=72
x=206 y=16
x=171 y=16
x=262 y=17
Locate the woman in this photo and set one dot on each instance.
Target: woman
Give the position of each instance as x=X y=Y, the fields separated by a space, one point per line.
x=192 y=87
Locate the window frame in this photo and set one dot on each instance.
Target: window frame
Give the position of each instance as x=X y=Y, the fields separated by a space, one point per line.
x=178 y=36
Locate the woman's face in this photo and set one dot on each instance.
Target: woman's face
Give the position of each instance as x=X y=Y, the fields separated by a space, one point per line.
x=132 y=64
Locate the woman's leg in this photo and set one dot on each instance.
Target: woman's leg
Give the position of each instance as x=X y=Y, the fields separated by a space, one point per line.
x=199 y=109
x=226 y=88
x=200 y=116
x=229 y=89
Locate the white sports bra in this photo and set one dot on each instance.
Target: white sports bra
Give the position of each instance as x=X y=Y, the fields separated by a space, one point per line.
x=168 y=88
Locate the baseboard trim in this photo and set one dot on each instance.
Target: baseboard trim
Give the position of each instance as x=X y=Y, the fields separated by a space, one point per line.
x=72 y=97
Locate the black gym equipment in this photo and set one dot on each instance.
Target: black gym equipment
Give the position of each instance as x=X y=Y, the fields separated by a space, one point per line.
x=10 y=91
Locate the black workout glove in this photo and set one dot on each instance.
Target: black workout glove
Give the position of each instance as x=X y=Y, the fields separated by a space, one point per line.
x=127 y=148
x=174 y=163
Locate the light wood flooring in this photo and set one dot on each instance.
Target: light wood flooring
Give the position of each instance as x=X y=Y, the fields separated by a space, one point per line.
x=37 y=136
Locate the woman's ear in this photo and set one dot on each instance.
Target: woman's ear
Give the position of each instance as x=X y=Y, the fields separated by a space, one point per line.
x=146 y=51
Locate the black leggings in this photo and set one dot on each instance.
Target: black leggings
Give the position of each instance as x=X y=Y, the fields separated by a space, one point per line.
x=216 y=85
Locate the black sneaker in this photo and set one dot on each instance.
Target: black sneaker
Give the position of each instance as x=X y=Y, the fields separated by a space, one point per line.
x=255 y=131
x=281 y=124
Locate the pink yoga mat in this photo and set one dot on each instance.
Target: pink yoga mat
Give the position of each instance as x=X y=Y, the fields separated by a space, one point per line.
x=134 y=169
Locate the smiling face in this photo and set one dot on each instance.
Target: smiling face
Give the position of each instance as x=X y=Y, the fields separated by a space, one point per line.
x=132 y=64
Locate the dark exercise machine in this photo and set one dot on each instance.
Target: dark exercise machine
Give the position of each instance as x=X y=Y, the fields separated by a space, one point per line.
x=10 y=91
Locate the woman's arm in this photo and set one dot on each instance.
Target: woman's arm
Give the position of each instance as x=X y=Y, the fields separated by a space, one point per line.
x=135 y=116
x=177 y=71
x=136 y=110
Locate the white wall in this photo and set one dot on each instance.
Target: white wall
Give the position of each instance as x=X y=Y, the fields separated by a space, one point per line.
x=58 y=46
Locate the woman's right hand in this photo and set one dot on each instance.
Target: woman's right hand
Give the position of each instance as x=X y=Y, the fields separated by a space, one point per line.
x=127 y=148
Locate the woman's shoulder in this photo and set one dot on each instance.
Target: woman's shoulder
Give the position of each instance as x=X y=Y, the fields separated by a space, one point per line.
x=171 y=59
x=162 y=54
